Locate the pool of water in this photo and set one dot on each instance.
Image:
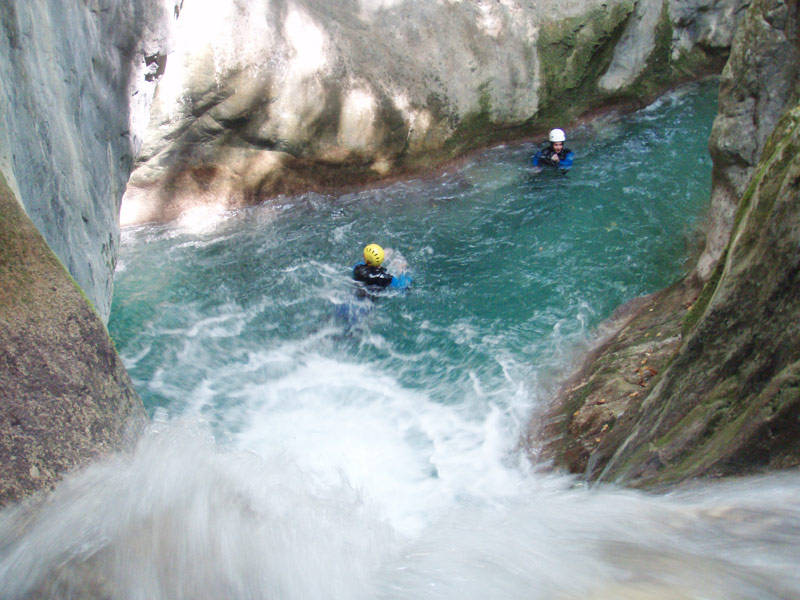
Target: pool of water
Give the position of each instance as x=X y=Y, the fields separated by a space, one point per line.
x=233 y=317
x=510 y=271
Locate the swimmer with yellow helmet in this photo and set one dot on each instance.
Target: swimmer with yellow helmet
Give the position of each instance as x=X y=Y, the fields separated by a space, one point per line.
x=373 y=276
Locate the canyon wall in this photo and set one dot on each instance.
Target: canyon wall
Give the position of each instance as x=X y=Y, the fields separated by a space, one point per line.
x=703 y=379
x=280 y=96
x=255 y=99
x=65 y=397
x=75 y=84
x=77 y=81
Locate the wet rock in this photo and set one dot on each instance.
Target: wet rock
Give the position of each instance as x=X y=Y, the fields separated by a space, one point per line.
x=65 y=397
x=759 y=82
x=596 y=407
x=725 y=398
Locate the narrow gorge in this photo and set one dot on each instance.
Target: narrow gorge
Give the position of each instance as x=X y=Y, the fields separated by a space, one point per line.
x=122 y=113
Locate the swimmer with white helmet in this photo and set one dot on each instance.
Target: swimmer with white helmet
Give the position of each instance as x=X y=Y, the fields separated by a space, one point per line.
x=555 y=154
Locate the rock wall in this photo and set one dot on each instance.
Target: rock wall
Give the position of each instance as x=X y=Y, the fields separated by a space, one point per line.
x=757 y=84
x=65 y=397
x=274 y=96
x=702 y=380
x=77 y=78
x=259 y=97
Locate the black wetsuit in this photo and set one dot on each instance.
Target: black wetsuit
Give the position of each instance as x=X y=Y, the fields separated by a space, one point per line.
x=374 y=279
x=545 y=157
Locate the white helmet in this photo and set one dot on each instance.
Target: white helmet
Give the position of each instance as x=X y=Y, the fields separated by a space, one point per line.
x=557 y=135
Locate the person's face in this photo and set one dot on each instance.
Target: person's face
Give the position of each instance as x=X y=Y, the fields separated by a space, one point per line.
x=558 y=146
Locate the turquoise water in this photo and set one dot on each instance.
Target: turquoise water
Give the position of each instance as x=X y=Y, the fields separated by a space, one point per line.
x=231 y=317
x=296 y=456
x=510 y=270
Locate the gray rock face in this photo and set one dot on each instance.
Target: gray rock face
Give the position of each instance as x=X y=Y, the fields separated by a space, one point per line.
x=272 y=96
x=706 y=24
x=700 y=31
x=76 y=78
x=258 y=97
x=760 y=80
x=73 y=102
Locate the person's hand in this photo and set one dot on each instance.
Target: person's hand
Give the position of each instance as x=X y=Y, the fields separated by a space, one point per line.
x=555 y=157
x=395 y=261
x=400 y=265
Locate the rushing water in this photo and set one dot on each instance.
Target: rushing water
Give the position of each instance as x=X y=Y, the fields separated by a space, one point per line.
x=296 y=455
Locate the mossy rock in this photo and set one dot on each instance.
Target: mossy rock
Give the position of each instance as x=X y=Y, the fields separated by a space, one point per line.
x=65 y=397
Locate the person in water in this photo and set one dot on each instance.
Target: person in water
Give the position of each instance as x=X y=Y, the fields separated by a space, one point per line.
x=555 y=154
x=373 y=276
x=372 y=279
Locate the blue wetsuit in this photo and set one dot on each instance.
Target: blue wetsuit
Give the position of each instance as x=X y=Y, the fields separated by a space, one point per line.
x=544 y=158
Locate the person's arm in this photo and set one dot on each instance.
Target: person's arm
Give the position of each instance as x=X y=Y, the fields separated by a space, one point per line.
x=401 y=282
x=536 y=158
x=567 y=162
x=546 y=157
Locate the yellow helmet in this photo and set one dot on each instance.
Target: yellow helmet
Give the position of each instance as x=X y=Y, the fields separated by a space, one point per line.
x=373 y=255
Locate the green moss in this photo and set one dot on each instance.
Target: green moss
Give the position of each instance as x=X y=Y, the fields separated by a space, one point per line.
x=576 y=401
x=698 y=413
x=727 y=417
x=779 y=154
x=768 y=181
x=781 y=137
x=477 y=127
x=573 y=54
x=692 y=317
x=15 y=251
x=659 y=71
x=23 y=254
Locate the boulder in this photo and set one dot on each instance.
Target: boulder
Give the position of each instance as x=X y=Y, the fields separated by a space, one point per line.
x=65 y=397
